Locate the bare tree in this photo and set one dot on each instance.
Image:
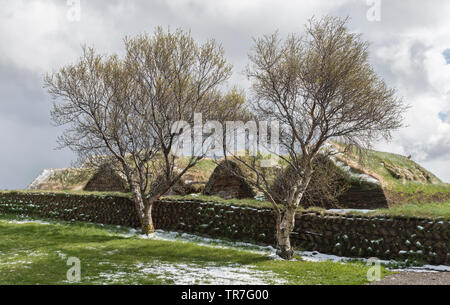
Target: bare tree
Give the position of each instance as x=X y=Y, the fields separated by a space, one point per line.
x=122 y=111
x=320 y=87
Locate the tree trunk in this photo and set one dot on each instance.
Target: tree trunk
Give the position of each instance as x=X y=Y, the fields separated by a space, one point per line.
x=147 y=225
x=286 y=220
x=138 y=203
x=285 y=226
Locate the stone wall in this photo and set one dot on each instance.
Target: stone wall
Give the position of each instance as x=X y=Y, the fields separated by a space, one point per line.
x=415 y=239
x=354 y=236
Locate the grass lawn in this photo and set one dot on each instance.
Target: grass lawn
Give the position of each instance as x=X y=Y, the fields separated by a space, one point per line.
x=433 y=210
x=37 y=253
x=425 y=210
x=249 y=202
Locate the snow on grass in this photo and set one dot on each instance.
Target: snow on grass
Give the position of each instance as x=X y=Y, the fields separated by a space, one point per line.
x=345 y=211
x=346 y=168
x=320 y=257
x=112 y=252
x=199 y=274
x=26 y=222
x=425 y=269
x=271 y=252
x=243 y=246
x=21 y=258
x=61 y=255
x=203 y=241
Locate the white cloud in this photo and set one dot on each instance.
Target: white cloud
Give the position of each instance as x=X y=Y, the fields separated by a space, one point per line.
x=27 y=30
x=406 y=50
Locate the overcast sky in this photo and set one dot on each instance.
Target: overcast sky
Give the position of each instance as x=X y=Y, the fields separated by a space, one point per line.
x=410 y=49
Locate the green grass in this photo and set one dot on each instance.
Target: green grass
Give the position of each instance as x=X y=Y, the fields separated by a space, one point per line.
x=425 y=210
x=77 y=193
x=32 y=253
x=412 y=188
x=428 y=210
x=253 y=203
x=204 y=165
x=373 y=161
x=236 y=202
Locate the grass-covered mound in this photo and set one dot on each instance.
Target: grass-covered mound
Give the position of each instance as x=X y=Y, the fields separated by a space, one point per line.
x=227 y=181
x=403 y=180
x=84 y=178
x=71 y=179
x=372 y=180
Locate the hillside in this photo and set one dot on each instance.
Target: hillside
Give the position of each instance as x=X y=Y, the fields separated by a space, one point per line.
x=69 y=179
x=375 y=179
x=402 y=179
x=77 y=179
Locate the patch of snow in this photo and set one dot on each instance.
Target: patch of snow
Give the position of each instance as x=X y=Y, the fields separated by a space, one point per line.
x=346 y=168
x=20 y=262
x=112 y=252
x=46 y=173
x=320 y=257
x=27 y=222
x=61 y=255
x=361 y=177
x=188 y=274
x=414 y=270
x=426 y=268
x=114 y=277
x=267 y=250
x=345 y=211
x=202 y=241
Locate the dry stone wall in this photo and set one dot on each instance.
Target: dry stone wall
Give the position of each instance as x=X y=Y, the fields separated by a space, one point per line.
x=353 y=236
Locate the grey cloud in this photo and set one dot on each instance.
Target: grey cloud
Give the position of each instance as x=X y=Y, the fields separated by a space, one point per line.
x=26 y=135
x=28 y=138
x=22 y=97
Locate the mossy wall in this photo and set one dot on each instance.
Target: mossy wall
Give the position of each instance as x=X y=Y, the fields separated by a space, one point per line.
x=354 y=236
x=413 y=239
